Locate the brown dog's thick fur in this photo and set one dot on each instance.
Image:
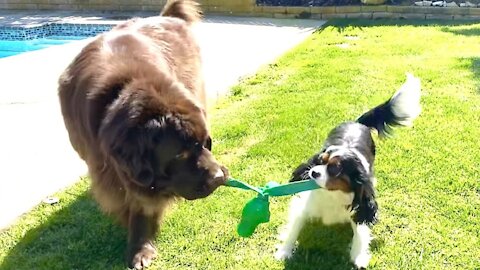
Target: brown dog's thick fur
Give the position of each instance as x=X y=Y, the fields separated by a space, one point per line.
x=133 y=103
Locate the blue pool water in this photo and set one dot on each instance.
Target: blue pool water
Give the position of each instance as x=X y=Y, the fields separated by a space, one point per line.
x=13 y=47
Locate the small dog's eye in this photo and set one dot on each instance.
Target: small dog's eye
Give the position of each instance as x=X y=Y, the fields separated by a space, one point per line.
x=334 y=169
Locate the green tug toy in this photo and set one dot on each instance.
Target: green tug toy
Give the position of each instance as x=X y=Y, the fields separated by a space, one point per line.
x=257 y=210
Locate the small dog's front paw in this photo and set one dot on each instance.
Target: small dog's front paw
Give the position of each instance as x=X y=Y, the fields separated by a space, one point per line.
x=283 y=254
x=361 y=260
x=143 y=256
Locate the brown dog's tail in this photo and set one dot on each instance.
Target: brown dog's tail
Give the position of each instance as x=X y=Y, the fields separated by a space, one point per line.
x=186 y=10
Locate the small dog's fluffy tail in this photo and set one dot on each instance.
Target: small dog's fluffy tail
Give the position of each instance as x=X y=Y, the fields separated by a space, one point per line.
x=400 y=110
x=186 y=10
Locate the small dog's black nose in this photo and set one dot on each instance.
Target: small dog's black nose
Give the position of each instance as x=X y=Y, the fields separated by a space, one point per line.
x=315 y=174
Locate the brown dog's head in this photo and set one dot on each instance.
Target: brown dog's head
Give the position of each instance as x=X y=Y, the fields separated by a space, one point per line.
x=159 y=142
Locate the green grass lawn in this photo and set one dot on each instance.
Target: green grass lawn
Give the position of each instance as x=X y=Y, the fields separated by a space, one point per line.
x=429 y=176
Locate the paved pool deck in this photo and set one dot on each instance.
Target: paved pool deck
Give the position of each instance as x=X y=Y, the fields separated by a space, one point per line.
x=36 y=158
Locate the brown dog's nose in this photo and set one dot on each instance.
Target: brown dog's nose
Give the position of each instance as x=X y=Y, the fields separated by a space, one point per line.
x=219 y=178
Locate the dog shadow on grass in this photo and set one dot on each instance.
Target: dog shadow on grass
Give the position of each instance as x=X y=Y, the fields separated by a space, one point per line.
x=325 y=247
x=78 y=236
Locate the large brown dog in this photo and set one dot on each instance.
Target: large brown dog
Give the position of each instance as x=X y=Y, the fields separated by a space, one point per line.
x=133 y=102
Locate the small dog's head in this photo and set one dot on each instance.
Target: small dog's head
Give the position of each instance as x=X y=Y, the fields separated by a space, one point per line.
x=342 y=169
x=159 y=147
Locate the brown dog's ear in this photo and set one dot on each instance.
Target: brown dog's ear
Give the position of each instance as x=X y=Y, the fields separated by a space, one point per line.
x=133 y=153
x=129 y=142
x=139 y=165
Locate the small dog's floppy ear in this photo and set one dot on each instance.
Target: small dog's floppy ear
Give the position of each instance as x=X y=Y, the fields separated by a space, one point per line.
x=364 y=203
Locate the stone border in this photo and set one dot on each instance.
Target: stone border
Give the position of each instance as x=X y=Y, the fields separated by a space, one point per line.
x=249 y=8
x=51 y=29
x=370 y=12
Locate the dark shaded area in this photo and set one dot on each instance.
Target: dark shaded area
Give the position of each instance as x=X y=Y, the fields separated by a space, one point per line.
x=464 y=32
x=78 y=236
x=319 y=3
x=341 y=24
x=325 y=247
x=476 y=71
x=307 y=3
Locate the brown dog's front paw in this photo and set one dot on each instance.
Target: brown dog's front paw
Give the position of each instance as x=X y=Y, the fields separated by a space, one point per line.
x=142 y=257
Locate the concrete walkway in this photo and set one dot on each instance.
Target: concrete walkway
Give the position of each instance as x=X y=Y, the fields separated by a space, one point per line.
x=36 y=158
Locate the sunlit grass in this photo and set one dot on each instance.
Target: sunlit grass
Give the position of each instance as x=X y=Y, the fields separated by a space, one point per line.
x=428 y=190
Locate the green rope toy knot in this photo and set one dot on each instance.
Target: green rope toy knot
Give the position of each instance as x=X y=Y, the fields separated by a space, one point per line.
x=257 y=210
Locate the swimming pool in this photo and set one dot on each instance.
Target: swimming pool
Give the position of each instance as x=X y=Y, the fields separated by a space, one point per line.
x=13 y=47
x=16 y=40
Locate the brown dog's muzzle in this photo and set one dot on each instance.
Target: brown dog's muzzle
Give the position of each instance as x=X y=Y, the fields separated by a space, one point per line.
x=220 y=178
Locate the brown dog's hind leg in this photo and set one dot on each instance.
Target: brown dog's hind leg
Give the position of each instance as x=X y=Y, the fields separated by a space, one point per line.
x=141 y=234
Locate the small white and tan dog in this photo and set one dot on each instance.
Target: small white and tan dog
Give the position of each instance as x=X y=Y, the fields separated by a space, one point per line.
x=344 y=170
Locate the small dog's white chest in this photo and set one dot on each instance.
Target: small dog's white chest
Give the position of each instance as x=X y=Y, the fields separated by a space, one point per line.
x=330 y=206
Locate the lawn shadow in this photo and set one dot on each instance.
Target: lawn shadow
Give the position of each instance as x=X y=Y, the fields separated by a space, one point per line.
x=341 y=25
x=475 y=66
x=325 y=247
x=463 y=32
x=78 y=236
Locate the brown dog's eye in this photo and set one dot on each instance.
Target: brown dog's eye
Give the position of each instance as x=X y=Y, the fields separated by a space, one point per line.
x=183 y=155
x=197 y=147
